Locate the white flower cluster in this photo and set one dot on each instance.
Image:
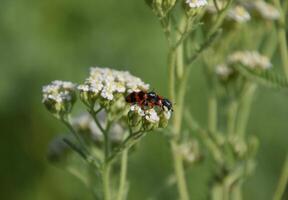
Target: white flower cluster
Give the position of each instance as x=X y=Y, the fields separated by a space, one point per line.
x=223 y=71
x=190 y=151
x=105 y=82
x=58 y=91
x=250 y=59
x=238 y=14
x=59 y=97
x=196 y=3
x=263 y=9
x=150 y=116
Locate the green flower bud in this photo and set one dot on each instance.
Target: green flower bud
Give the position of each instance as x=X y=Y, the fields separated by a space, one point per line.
x=190 y=152
x=161 y=7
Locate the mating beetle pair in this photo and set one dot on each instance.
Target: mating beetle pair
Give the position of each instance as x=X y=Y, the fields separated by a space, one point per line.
x=148 y=99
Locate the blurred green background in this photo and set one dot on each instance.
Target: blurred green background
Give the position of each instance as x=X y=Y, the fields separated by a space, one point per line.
x=46 y=40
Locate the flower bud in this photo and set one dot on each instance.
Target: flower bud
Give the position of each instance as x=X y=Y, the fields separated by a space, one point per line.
x=190 y=151
x=239 y=146
x=192 y=7
x=161 y=7
x=59 y=97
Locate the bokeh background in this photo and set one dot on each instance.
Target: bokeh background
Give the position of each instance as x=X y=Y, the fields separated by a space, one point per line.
x=46 y=40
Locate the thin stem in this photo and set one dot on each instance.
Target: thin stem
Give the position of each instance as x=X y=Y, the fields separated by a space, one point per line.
x=123 y=174
x=217 y=193
x=171 y=65
x=282 y=36
x=282 y=184
x=94 y=116
x=127 y=144
x=107 y=166
x=179 y=172
x=212 y=113
x=106 y=182
x=220 y=18
x=80 y=140
x=284 y=56
x=244 y=110
x=236 y=193
x=177 y=124
x=231 y=117
x=206 y=137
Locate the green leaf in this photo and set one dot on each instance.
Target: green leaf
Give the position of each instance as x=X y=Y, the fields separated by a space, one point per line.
x=265 y=77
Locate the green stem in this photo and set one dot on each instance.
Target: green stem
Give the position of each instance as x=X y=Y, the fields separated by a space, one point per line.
x=236 y=193
x=231 y=114
x=244 y=110
x=284 y=56
x=106 y=182
x=127 y=144
x=171 y=65
x=220 y=18
x=282 y=36
x=206 y=137
x=282 y=184
x=123 y=174
x=80 y=140
x=179 y=172
x=217 y=193
x=212 y=114
x=177 y=124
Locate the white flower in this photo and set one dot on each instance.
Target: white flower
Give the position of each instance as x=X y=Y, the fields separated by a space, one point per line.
x=223 y=71
x=107 y=82
x=196 y=3
x=264 y=9
x=167 y=114
x=239 y=14
x=251 y=59
x=137 y=109
x=58 y=91
x=152 y=116
x=59 y=96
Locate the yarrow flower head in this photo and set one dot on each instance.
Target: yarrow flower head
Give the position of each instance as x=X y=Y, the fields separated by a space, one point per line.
x=262 y=9
x=59 y=97
x=224 y=72
x=190 y=151
x=105 y=86
x=239 y=14
x=148 y=119
x=196 y=3
x=250 y=59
